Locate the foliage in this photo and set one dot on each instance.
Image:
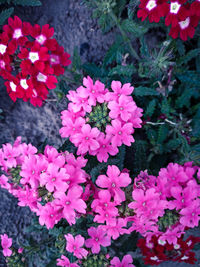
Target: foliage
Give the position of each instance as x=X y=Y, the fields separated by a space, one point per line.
x=7 y=12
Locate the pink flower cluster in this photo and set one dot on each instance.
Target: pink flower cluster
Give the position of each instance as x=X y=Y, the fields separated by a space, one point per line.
x=166 y=205
x=49 y=184
x=6 y=243
x=98 y=120
x=30 y=52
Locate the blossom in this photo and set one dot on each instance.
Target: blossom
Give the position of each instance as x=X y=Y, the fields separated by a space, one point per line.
x=126 y=262
x=121 y=134
x=113 y=182
x=37 y=57
x=94 y=112
x=153 y=9
x=74 y=245
x=64 y=261
x=191 y=214
x=86 y=139
x=70 y=202
x=98 y=238
x=105 y=208
x=6 y=243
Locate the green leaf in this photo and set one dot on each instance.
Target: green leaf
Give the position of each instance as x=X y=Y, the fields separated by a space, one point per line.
x=162 y=133
x=113 y=52
x=165 y=107
x=172 y=145
x=150 y=108
x=127 y=70
x=133 y=27
x=5 y=14
x=27 y=2
x=180 y=47
x=184 y=99
x=76 y=61
x=145 y=91
x=92 y=70
x=190 y=55
x=191 y=78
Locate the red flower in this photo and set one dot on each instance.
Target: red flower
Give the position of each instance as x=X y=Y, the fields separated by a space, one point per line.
x=41 y=34
x=58 y=59
x=195 y=8
x=185 y=28
x=176 y=12
x=153 y=9
x=34 y=59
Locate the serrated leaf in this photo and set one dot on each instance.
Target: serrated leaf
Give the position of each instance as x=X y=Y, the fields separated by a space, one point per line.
x=184 y=99
x=27 y=2
x=190 y=55
x=133 y=27
x=162 y=133
x=190 y=77
x=112 y=53
x=127 y=70
x=180 y=47
x=150 y=108
x=92 y=69
x=165 y=107
x=5 y=14
x=145 y=91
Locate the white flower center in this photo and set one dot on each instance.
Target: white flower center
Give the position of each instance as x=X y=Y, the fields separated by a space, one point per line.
x=155 y=258
x=23 y=83
x=184 y=24
x=41 y=39
x=184 y=258
x=2 y=64
x=17 y=33
x=161 y=242
x=177 y=246
x=151 y=4
x=174 y=7
x=41 y=77
x=54 y=59
x=33 y=56
x=3 y=48
x=13 y=86
x=189 y=242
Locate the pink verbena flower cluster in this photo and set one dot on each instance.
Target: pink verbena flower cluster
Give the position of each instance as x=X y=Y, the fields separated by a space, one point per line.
x=29 y=60
x=166 y=205
x=49 y=184
x=98 y=120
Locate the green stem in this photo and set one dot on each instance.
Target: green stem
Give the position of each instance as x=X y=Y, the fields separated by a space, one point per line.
x=125 y=37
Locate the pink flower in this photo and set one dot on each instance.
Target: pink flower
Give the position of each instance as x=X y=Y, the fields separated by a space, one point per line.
x=54 y=178
x=191 y=214
x=105 y=148
x=114 y=181
x=120 y=134
x=6 y=243
x=98 y=238
x=74 y=245
x=126 y=262
x=49 y=214
x=119 y=90
x=96 y=92
x=117 y=229
x=105 y=208
x=71 y=127
x=86 y=139
x=71 y=202
x=122 y=109
x=64 y=261
x=79 y=100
